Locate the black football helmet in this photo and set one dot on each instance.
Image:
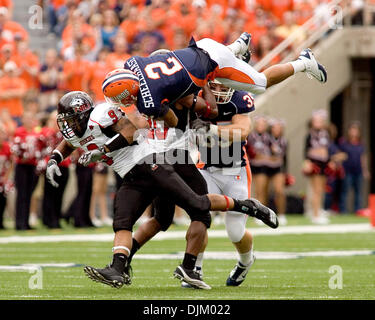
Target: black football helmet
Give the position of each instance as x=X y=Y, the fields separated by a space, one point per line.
x=73 y=113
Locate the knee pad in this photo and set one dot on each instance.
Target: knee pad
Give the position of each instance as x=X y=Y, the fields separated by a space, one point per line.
x=235 y=225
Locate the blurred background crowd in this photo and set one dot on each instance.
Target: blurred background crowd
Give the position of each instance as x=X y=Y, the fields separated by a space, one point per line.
x=93 y=37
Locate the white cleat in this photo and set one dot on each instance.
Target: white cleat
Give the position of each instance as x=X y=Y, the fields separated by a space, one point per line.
x=313 y=67
x=320 y=220
x=282 y=220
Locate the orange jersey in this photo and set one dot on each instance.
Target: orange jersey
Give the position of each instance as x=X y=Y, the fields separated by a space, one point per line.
x=74 y=71
x=11 y=28
x=130 y=28
x=116 y=61
x=95 y=76
x=31 y=61
x=14 y=105
x=6 y=3
x=278 y=7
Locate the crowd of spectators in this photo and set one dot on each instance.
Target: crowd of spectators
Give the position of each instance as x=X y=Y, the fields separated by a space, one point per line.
x=93 y=38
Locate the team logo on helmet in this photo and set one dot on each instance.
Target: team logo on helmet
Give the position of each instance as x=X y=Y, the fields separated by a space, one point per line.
x=79 y=105
x=122 y=95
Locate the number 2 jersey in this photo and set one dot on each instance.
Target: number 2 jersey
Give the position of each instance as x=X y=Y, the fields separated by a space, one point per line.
x=97 y=134
x=170 y=76
x=221 y=152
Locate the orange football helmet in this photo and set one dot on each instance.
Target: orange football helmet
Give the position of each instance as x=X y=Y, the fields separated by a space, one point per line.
x=121 y=87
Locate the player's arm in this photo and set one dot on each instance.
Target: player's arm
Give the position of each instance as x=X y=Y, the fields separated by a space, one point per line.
x=121 y=134
x=167 y=115
x=238 y=130
x=63 y=150
x=136 y=118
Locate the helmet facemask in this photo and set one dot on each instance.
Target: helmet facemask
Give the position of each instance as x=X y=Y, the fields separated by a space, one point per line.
x=73 y=122
x=222 y=93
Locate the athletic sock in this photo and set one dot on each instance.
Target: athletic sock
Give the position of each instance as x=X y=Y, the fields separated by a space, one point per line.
x=245 y=258
x=298 y=65
x=199 y=262
x=119 y=262
x=235 y=47
x=135 y=248
x=189 y=261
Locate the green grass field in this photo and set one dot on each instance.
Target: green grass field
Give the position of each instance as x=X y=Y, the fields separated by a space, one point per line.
x=301 y=278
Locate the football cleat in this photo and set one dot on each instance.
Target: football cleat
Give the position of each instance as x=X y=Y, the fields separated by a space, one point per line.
x=313 y=67
x=189 y=286
x=109 y=276
x=244 y=52
x=239 y=273
x=190 y=277
x=254 y=208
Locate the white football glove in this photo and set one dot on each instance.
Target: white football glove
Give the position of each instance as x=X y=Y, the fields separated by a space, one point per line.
x=200 y=125
x=91 y=156
x=52 y=170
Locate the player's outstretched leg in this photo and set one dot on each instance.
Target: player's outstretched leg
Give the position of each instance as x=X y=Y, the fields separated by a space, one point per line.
x=251 y=207
x=234 y=71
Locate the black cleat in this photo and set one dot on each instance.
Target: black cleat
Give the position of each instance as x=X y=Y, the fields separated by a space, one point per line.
x=109 y=276
x=254 y=208
x=190 y=277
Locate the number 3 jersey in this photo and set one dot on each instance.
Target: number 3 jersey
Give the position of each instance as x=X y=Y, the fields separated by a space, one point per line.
x=97 y=134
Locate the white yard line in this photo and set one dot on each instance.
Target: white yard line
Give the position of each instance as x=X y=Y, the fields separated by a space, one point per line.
x=260 y=255
x=210 y=255
x=333 y=228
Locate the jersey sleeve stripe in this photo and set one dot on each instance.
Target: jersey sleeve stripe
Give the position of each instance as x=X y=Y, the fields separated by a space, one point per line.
x=97 y=123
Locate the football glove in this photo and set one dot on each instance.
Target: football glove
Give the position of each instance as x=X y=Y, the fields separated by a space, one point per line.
x=204 y=127
x=52 y=170
x=200 y=125
x=91 y=156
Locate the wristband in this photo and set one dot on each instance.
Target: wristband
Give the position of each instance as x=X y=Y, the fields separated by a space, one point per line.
x=117 y=142
x=208 y=110
x=57 y=156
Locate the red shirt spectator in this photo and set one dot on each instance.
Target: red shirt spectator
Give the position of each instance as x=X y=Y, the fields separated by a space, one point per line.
x=28 y=145
x=5 y=164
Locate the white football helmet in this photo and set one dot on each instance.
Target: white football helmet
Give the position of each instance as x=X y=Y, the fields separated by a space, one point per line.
x=222 y=93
